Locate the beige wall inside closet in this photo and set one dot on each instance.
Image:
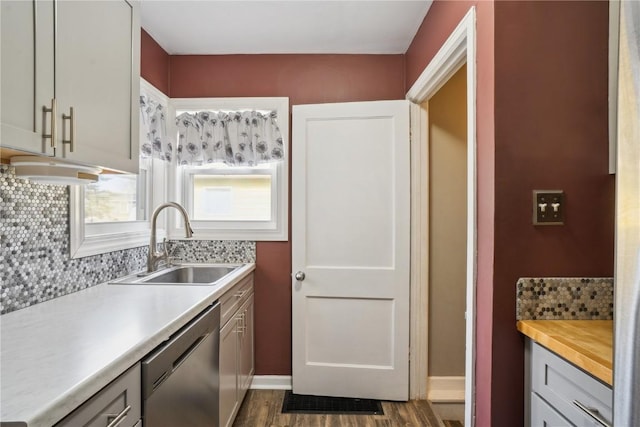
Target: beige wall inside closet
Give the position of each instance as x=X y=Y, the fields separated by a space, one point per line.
x=447 y=226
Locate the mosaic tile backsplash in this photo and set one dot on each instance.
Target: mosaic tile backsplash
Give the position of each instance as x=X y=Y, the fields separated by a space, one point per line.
x=215 y=251
x=564 y=298
x=34 y=247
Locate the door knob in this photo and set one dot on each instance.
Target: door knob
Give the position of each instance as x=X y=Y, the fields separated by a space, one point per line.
x=300 y=276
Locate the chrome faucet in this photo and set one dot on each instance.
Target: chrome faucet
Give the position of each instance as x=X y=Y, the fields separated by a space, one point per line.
x=154 y=256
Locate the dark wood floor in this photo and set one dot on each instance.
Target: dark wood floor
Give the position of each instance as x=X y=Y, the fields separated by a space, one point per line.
x=262 y=408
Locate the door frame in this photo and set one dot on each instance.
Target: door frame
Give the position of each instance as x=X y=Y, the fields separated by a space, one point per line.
x=459 y=49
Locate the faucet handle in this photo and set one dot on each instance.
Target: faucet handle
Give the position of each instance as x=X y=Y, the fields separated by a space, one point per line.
x=165 y=249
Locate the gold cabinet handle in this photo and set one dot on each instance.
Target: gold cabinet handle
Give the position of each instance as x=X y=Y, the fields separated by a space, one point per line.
x=53 y=112
x=72 y=129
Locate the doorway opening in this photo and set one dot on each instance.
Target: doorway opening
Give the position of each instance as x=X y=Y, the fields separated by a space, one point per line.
x=458 y=51
x=447 y=218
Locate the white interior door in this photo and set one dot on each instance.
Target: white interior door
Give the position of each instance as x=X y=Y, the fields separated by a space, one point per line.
x=350 y=237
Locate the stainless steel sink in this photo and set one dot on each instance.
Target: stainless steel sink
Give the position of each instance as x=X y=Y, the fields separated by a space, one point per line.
x=191 y=275
x=181 y=275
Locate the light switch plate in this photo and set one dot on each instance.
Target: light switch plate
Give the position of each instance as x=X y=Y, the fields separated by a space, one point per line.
x=548 y=207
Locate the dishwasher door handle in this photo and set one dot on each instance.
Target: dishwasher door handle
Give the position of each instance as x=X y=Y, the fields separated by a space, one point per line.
x=176 y=364
x=187 y=352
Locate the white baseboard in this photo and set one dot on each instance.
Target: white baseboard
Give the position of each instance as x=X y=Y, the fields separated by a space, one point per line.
x=445 y=389
x=271 y=382
x=440 y=389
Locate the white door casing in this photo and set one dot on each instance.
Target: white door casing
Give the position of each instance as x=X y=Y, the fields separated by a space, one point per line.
x=458 y=49
x=350 y=237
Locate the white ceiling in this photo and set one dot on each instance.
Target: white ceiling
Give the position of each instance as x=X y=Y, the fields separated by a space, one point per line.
x=286 y=26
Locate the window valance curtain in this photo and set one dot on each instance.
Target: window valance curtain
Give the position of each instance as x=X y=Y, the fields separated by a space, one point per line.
x=153 y=129
x=236 y=138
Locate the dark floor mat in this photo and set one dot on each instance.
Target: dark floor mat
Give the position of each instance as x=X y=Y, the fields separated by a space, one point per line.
x=305 y=404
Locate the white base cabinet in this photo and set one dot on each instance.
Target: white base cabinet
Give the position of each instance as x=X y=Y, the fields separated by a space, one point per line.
x=228 y=373
x=118 y=404
x=236 y=348
x=542 y=414
x=560 y=394
x=246 y=345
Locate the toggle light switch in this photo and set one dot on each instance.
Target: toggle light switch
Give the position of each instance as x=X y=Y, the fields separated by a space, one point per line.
x=548 y=207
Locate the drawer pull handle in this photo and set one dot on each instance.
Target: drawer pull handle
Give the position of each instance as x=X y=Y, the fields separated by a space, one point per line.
x=242 y=327
x=593 y=413
x=115 y=420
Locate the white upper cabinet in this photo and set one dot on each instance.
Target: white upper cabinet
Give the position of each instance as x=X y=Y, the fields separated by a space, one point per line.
x=98 y=75
x=27 y=74
x=88 y=59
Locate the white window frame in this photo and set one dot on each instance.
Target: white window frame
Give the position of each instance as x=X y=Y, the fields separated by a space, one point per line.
x=100 y=238
x=275 y=230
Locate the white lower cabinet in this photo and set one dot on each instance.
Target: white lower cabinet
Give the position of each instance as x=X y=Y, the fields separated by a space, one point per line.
x=118 y=404
x=544 y=415
x=236 y=349
x=246 y=340
x=228 y=373
x=560 y=394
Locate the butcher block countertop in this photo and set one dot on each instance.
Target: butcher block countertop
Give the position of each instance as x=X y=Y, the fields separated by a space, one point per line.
x=587 y=344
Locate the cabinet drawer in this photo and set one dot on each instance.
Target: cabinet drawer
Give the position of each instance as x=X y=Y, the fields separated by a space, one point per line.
x=124 y=392
x=234 y=298
x=543 y=415
x=561 y=384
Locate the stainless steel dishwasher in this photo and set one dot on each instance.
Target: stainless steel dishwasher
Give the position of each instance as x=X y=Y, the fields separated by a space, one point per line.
x=180 y=379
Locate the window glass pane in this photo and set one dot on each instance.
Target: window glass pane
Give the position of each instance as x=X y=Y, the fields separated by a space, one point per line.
x=113 y=198
x=232 y=197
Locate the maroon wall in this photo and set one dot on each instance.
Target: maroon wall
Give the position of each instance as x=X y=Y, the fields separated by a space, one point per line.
x=154 y=63
x=304 y=79
x=541 y=124
x=442 y=19
x=551 y=62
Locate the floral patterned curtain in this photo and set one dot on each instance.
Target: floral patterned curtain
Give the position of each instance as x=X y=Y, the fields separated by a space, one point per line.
x=153 y=129
x=237 y=138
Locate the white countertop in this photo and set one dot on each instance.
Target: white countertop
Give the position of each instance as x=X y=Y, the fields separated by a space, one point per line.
x=57 y=354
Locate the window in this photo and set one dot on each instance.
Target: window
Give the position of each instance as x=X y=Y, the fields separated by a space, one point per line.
x=113 y=213
x=243 y=202
x=217 y=195
x=234 y=202
x=116 y=198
